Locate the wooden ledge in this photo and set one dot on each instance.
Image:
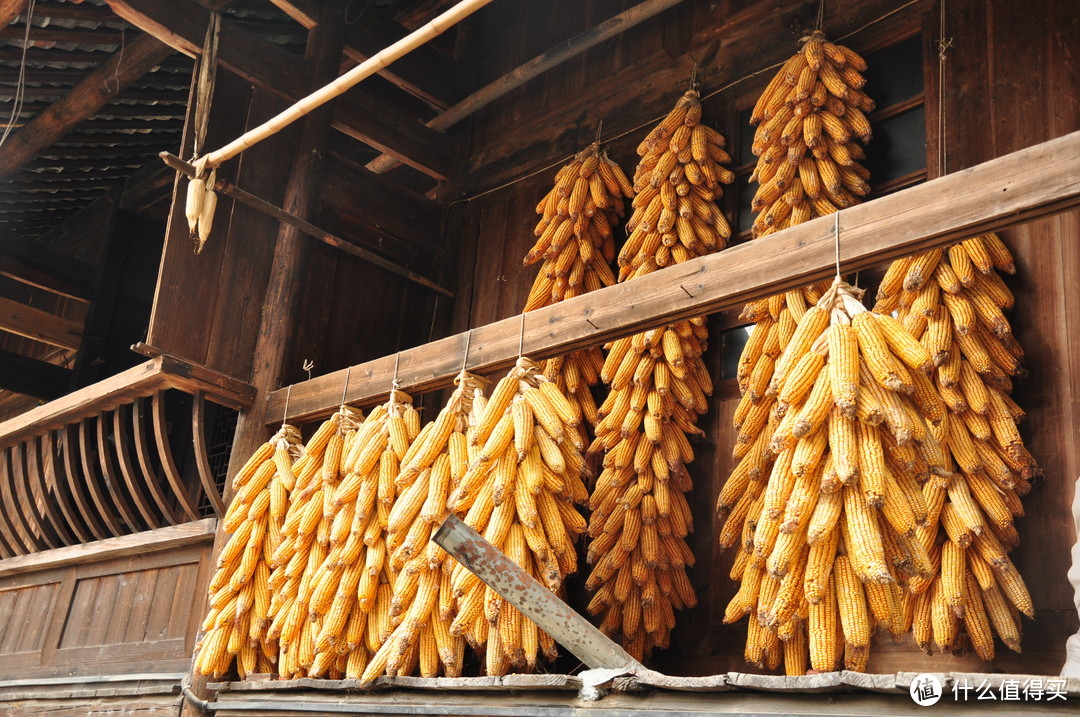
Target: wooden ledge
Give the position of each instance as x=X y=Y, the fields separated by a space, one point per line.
x=157 y=374
x=148 y=541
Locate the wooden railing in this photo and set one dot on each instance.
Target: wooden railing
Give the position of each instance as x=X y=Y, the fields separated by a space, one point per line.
x=100 y=462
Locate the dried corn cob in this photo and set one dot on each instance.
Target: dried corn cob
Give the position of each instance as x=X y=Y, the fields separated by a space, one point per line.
x=659 y=386
x=522 y=501
x=239 y=617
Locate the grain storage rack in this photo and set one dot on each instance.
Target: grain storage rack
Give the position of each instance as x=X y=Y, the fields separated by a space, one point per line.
x=380 y=237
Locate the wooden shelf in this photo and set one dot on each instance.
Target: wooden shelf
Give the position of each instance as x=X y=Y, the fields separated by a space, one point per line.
x=1003 y=192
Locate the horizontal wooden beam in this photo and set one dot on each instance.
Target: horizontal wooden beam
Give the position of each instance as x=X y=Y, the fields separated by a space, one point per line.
x=1009 y=190
x=39 y=325
x=182 y=25
x=45 y=268
x=157 y=374
x=32 y=377
x=148 y=541
x=83 y=100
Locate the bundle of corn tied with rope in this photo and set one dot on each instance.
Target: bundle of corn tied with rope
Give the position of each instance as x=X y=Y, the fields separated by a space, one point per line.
x=520 y=489
x=659 y=386
x=576 y=242
x=423 y=605
x=308 y=534
x=952 y=301
x=237 y=623
x=829 y=535
x=809 y=118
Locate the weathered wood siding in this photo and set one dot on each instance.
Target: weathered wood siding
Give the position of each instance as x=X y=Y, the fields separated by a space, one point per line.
x=1011 y=81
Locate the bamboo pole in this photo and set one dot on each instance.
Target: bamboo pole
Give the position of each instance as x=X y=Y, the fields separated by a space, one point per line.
x=339 y=86
x=535 y=67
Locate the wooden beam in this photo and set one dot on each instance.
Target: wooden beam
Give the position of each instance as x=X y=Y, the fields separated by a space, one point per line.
x=1003 y=192
x=182 y=25
x=9 y=10
x=160 y=373
x=83 y=100
x=426 y=72
x=39 y=325
x=32 y=377
x=45 y=268
x=171 y=537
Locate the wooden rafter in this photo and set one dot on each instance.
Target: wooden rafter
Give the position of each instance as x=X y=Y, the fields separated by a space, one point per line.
x=32 y=377
x=426 y=72
x=80 y=102
x=1015 y=188
x=9 y=10
x=182 y=25
x=39 y=325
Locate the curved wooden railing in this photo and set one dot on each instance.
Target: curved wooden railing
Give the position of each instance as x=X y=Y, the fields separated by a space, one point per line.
x=102 y=462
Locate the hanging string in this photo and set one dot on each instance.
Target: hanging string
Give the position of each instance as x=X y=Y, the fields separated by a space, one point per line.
x=943 y=46
x=693 y=76
x=820 y=23
x=112 y=84
x=599 y=126
x=651 y=122
x=521 y=335
x=395 y=383
x=20 y=86
x=836 y=240
x=465 y=358
x=285 y=415
x=345 y=388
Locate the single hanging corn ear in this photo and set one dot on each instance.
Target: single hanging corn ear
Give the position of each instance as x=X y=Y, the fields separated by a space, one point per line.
x=206 y=212
x=659 y=384
x=236 y=626
x=957 y=316
x=196 y=195
x=522 y=502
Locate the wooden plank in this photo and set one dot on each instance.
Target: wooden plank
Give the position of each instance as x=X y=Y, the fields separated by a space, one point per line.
x=77 y=486
x=78 y=622
x=112 y=77
x=88 y=457
x=108 y=471
x=18 y=533
x=140 y=416
x=142 y=380
x=184 y=600
x=127 y=587
x=17 y=267
x=144 y=543
x=135 y=620
x=168 y=464
x=7 y=607
x=58 y=615
x=202 y=460
x=103 y=606
x=43 y=495
x=1003 y=192
x=37 y=618
x=52 y=457
x=39 y=325
x=157 y=620
x=10 y=639
x=32 y=377
x=182 y=24
x=135 y=482
x=28 y=507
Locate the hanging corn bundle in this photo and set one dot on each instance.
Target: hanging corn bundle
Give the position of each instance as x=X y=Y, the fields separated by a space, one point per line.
x=577 y=245
x=239 y=616
x=808 y=120
x=952 y=301
x=307 y=535
x=659 y=385
x=828 y=536
x=519 y=492
x=423 y=600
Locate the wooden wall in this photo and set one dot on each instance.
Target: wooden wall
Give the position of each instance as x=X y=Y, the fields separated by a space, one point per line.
x=136 y=612
x=1011 y=81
